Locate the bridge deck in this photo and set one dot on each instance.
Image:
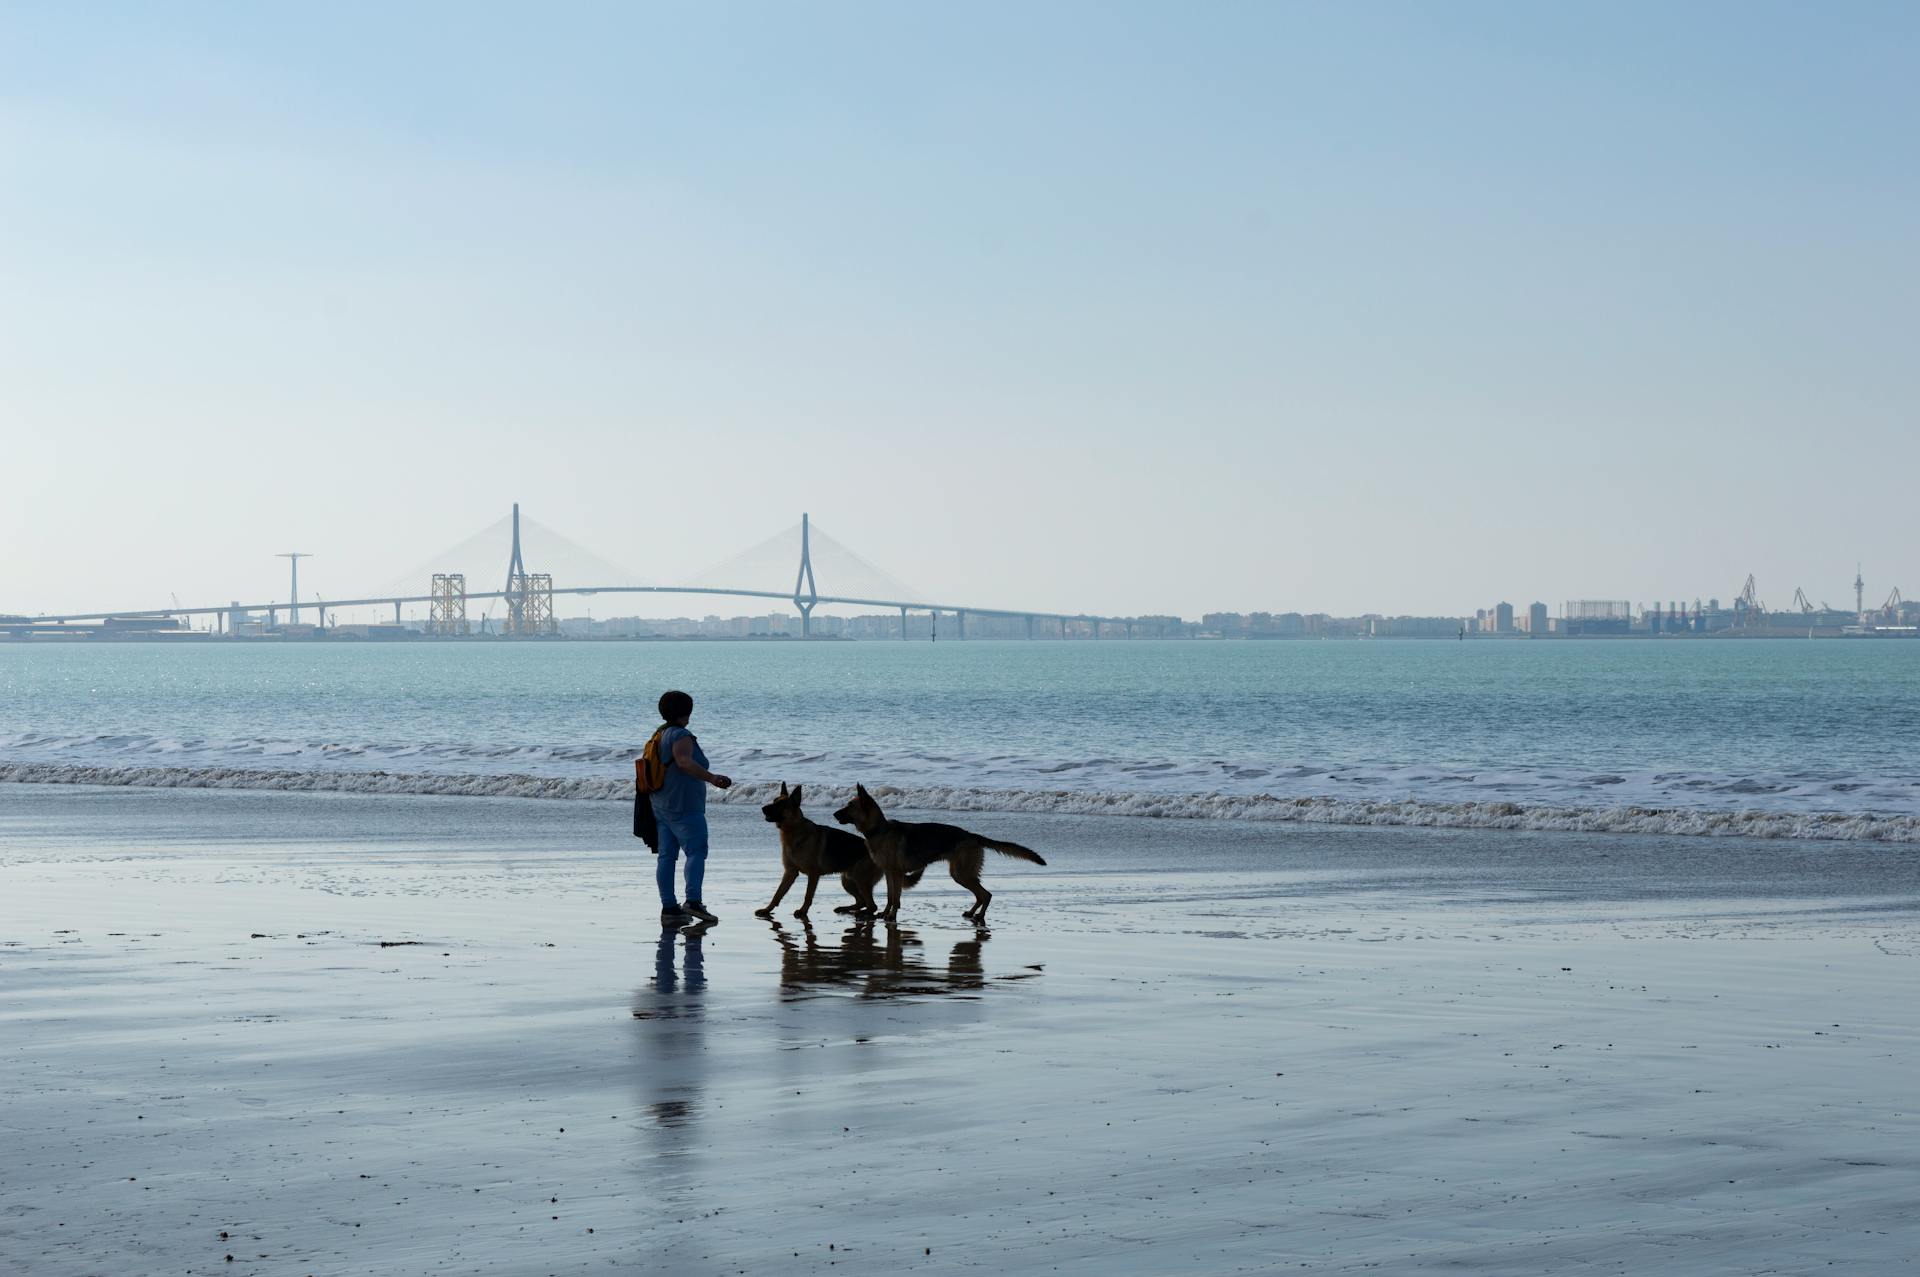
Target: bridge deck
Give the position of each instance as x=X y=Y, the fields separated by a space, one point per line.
x=784 y=597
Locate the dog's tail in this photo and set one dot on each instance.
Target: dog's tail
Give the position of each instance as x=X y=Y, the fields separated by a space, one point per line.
x=1013 y=849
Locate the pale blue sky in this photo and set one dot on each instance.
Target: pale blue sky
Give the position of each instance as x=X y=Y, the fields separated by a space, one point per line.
x=1132 y=308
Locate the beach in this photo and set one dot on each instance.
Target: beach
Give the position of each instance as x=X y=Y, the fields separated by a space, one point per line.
x=349 y=1033
x=1389 y=528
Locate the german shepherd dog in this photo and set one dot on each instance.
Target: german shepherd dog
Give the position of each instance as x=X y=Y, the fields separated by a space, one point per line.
x=903 y=850
x=816 y=850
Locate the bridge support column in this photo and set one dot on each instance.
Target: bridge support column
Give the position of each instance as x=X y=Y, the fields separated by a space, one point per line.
x=960 y=624
x=804 y=577
x=1129 y=625
x=903 y=622
x=1029 y=629
x=396 y=611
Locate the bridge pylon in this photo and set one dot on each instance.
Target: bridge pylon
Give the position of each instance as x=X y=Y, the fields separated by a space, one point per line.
x=805 y=602
x=516 y=580
x=293 y=589
x=529 y=595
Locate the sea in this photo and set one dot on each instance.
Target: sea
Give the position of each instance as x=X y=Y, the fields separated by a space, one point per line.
x=1772 y=739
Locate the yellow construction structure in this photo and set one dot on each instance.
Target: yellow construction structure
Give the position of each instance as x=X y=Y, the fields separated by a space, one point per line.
x=448 y=615
x=530 y=605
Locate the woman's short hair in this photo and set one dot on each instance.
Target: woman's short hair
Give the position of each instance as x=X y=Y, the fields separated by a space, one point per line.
x=675 y=705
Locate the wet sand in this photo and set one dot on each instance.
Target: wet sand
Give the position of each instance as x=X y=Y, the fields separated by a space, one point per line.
x=407 y=1035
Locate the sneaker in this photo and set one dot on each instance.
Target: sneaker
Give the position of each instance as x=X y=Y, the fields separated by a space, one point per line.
x=675 y=917
x=700 y=911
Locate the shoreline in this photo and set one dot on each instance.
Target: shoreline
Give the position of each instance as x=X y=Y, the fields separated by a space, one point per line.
x=1627 y=819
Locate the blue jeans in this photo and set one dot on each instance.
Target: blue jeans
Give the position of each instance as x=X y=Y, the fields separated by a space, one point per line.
x=686 y=833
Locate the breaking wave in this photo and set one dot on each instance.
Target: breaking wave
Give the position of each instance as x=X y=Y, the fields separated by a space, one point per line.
x=1856 y=826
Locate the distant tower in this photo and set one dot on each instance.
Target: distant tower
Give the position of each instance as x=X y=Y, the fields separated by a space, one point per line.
x=293 y=590
x=1859 y=592
x=529 y=595
x=806 y=601
x=516 y=580
x=514 y=566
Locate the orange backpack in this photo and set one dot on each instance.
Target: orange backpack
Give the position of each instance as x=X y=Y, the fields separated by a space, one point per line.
x=650 y=769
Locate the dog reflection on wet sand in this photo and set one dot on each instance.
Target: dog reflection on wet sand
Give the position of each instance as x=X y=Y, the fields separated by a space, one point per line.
x=875 y=962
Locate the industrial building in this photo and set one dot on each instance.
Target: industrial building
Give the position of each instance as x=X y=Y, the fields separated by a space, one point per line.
x=1592 y=617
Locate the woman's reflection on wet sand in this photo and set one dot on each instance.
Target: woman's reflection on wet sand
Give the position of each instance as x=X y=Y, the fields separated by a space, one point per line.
x=667 y=980
x=675 y=999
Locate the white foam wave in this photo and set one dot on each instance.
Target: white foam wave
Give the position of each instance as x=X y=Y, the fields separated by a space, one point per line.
x=1855 y=826
x=1148 y=781
x=100 y=746
x=450 y=784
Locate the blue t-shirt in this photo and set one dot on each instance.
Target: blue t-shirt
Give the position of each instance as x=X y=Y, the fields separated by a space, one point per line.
x=682 y=795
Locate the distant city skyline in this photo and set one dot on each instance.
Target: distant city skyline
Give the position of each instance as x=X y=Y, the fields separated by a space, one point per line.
x=770 y=566
x=1122 y=308
x=483 y=618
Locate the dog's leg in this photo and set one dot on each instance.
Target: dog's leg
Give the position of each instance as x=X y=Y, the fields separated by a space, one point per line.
x=780 y=894
x=862 y=893
x=965 y=869
x=813 y=881
x=981 y=897
x=896 y=887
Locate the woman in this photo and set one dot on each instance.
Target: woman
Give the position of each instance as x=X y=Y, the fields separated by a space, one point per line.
x=680 y=808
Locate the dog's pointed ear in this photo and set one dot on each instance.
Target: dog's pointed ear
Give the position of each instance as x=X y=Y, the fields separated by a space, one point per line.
x=796 y=794
x=861 y=790
x=783 y=789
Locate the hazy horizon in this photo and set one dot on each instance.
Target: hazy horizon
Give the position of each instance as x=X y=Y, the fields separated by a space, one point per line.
x=1124 y=309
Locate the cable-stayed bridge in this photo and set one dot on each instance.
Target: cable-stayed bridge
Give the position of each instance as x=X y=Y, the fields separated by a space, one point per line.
x=526 y=597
